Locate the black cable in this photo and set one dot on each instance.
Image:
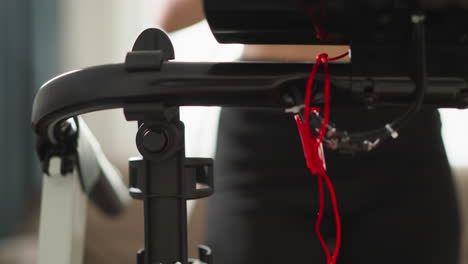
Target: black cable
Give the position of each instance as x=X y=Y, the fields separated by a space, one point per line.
x=420 y=78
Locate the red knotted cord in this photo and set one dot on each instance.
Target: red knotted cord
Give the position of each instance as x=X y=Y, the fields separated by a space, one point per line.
x=312 y=145
x=313 y=151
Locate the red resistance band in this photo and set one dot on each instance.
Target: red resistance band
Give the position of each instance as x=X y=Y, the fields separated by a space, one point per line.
x=313 y=150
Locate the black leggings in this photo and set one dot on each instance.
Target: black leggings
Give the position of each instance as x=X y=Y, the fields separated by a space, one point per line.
x=397 y=204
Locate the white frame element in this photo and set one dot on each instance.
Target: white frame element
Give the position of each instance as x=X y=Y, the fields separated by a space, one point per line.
x=63 y=217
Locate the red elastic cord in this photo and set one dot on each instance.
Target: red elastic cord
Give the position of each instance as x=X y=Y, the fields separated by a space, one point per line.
x=336 y=213
x=313 y=151
x=319 y=219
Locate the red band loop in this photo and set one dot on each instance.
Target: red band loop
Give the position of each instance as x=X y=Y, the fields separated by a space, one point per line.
x=313 y=151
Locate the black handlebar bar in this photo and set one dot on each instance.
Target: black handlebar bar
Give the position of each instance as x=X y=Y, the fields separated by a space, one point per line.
x=220 y=84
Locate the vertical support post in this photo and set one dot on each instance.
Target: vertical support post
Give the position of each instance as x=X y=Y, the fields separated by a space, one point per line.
x=165 y=212
x=158 y=180
x=165 y=179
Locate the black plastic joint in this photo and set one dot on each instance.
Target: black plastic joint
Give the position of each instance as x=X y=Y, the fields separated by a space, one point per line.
x=66 y=148
x=146 y=60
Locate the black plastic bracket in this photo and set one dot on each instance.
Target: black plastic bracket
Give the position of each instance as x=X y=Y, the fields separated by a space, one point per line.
x=198 y=181
x=67 y=147
x=150 y=50
x=144 y=61
x=199 y=178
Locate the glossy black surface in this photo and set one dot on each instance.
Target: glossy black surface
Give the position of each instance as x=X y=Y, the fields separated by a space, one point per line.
x=345 y=21
x=220 y=84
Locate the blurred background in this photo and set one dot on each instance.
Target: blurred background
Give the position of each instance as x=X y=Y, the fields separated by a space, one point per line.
x=43 y=38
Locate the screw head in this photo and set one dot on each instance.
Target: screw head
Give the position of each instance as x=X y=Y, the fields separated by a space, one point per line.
x=155 y=141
